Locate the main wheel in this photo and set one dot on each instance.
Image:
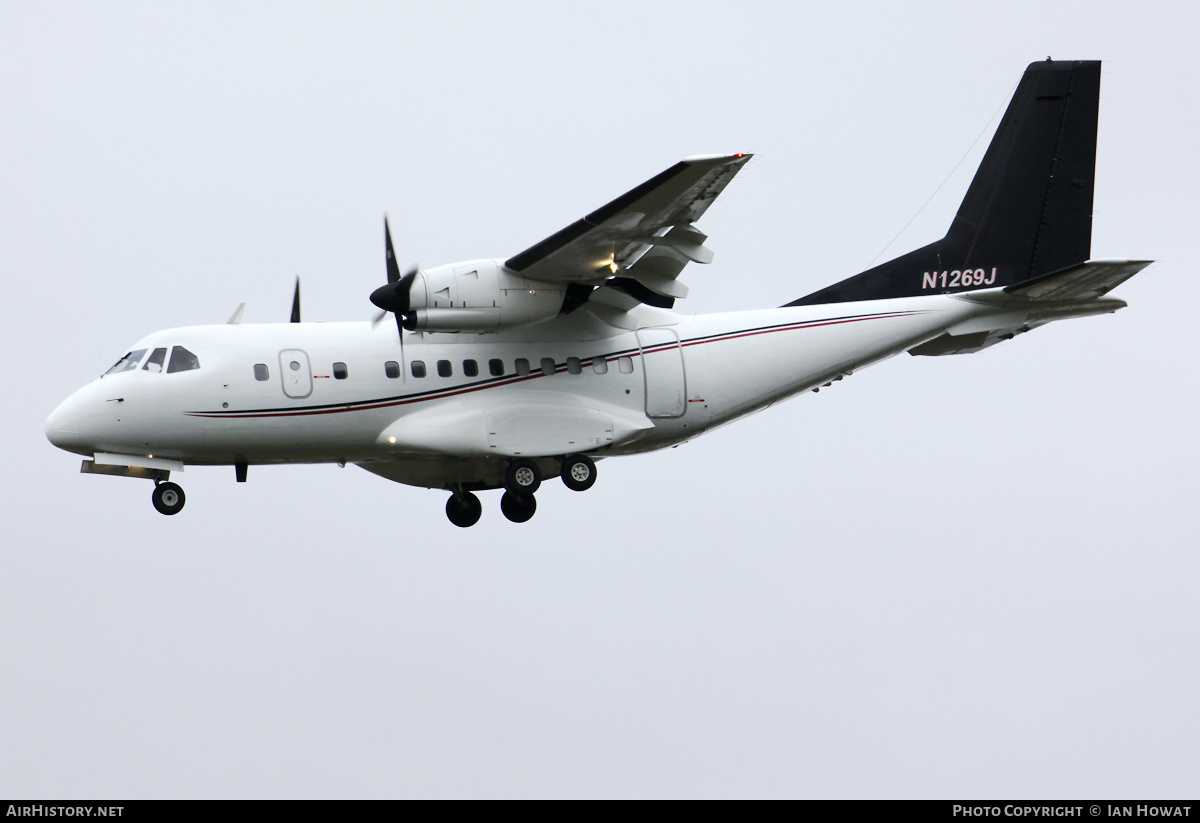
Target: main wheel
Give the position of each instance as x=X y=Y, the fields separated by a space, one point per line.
x=168 y=498
x=464 y=509
x=522 y=477
x=518 y=507
x=578 y=472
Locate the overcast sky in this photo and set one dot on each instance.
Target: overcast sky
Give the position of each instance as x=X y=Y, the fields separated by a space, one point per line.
x=955 y=577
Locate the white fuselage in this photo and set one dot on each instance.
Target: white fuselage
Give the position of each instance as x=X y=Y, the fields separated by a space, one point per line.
x=272 y=393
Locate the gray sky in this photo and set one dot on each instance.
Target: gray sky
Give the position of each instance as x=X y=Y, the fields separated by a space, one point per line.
x=960 y=576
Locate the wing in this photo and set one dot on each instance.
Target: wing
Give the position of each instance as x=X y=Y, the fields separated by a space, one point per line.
x=646 y=234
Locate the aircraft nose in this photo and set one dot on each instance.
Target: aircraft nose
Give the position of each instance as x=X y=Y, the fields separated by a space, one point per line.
x=64 y=426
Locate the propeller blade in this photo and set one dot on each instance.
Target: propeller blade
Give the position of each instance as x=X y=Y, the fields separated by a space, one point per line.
x=395 y=295
x=377 y=319
x=393 y=269
x=296 y=302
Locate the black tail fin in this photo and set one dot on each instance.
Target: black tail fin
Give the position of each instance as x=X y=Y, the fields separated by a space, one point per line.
x=1028 y=211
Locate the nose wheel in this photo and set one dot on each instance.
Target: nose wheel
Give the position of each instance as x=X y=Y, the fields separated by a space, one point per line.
x=168 y=498
x=463 y=509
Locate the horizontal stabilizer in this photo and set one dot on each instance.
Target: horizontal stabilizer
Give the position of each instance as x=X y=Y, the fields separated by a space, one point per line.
x=1086 y=281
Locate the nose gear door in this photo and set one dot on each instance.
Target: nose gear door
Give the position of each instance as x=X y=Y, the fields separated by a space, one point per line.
x=296 y=373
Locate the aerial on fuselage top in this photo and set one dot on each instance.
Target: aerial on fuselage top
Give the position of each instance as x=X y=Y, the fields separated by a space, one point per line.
x=499 y=373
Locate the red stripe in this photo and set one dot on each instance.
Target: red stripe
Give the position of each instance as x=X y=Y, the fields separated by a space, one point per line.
x=535 y=375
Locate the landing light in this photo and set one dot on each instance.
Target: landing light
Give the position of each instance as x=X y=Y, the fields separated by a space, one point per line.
x=391 y=440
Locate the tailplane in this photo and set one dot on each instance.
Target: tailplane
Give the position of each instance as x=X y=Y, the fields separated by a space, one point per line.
x=1027 y=213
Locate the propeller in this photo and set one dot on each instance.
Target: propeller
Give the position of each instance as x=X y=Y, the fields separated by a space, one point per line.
x=295 y=302
x=394 y=296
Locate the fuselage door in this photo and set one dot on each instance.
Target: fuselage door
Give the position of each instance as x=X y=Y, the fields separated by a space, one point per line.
x=662 y=366
x=296 y=373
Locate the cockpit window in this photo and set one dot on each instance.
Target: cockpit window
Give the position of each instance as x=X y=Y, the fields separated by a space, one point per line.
x=128 y=362
x=182 y=360
x=155 y=361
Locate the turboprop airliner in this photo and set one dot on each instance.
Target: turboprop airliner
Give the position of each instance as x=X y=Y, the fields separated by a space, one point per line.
x=497 y=374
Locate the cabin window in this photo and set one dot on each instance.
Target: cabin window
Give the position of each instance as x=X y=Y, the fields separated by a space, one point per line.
x=548 y=366
x=182 y=360
x=261 y=373
x=470 y=368
x=340 y=372
x=129 y=361
x=444 y=368
x=625 y=364
x=418 y=368
x=522 y=366
x=496 y=367
x=156 y=360
x=599 y=365
x=574 y=366
x=391 y=368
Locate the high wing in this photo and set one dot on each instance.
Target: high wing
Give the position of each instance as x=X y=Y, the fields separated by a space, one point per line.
x=646 y=235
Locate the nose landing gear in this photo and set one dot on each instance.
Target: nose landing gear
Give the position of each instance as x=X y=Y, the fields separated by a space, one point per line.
x=168 y=498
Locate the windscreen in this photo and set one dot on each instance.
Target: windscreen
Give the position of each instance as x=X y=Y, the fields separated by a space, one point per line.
x=127 y=363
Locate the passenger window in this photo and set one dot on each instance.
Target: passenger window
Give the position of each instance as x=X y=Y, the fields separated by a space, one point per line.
x=340 y=372
x=129 y=361
x=182 y=360
x=418 y=368
x=625 y=364
x=548 y=366
x=444 y=368
x=574 y=366
x=156 y=360
x=261 y=373
x=496 y=367
x=391 y=368
x=522 y=366
x=599 y=365
x=470 y=368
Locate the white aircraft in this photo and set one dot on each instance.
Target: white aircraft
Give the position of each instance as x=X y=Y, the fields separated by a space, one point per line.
x=508 y=371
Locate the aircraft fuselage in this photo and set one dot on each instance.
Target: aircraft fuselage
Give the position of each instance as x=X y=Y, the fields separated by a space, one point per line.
x=272 y=394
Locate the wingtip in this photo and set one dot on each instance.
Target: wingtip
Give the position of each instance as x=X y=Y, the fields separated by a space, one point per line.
x=700 y=158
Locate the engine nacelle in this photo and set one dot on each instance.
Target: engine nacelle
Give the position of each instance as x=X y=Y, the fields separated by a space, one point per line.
x=480 y=296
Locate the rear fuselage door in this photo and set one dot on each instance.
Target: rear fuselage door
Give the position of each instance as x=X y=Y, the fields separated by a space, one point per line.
x=662 y=365
x=296 y=373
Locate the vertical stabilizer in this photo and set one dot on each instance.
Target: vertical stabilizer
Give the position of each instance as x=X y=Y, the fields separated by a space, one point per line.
x=1028 y=211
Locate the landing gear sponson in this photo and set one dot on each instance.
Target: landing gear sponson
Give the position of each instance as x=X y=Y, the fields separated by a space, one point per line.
x=522 y=479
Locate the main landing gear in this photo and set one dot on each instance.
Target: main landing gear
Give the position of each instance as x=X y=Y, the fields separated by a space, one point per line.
x=522 y=478
x=463 y=509
x=168 y=498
